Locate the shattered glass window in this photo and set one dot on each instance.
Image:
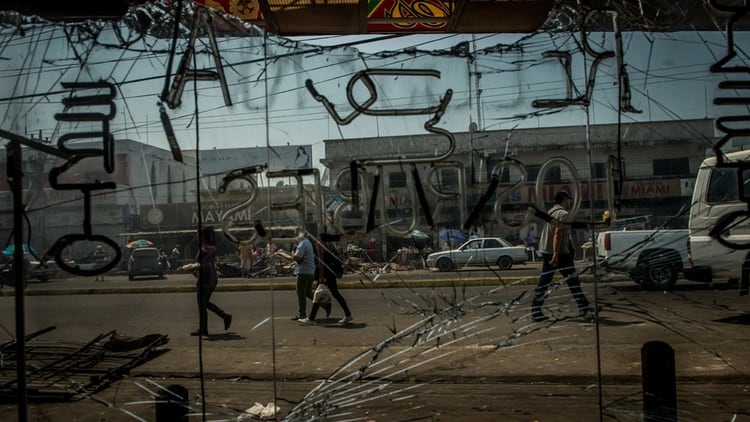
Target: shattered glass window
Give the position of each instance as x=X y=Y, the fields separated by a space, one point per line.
x=202 y=220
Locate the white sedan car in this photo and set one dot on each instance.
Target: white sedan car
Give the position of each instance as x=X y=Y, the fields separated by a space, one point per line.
x=479 y=252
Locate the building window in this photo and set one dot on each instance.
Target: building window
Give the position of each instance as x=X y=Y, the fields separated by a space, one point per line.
x=397 y=179
x=533 y=171
x=599 y=171
x=182 y=187
x=344 y=184
x=153 y=180
x=672 y=167
x=552 y=174
x=446 y=179
x=492 y=161
x=504 y=173
x=449 y=178
x=169 y=185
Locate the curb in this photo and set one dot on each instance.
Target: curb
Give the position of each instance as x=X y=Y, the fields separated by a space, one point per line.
x=259 y=287
x=235 y=287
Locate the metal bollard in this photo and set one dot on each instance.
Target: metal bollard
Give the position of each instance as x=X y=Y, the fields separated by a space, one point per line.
x=172 y=407
x=659 y=384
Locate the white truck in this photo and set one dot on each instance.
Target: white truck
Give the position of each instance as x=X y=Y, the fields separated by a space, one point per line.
x=652 y=258
x=719 y=221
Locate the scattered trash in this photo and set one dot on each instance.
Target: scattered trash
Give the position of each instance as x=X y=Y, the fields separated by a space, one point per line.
x=193 y=266
x=258 y=411
x=68 y=371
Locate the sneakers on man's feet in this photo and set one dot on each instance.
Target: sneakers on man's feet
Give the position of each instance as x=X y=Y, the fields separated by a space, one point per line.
x=298 y=317
x=227 y=321
x=327 y=308
x=306 y=321
x=346 y=320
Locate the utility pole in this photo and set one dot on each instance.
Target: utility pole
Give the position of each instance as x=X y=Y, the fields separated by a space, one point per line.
x=477 y=77
x=474 y=126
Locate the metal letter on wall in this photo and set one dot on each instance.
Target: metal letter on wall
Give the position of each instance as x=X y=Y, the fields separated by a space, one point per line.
x=538 y=209
x=729 y=124
x=106 y=152
x=417 y=191
x=406 y=209
x=348 y=216
x=299 y=202
x=575 y=181
x=497 y=172
x=565 y=58
x=247 y=174
x=184 y=73
x=735 y=126
x=442 y=196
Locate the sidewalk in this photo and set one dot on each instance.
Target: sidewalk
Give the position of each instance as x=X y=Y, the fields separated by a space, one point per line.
x=180 y=282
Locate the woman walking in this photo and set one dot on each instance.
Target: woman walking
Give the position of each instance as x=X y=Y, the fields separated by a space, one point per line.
x=332 y=270
x=207 y=281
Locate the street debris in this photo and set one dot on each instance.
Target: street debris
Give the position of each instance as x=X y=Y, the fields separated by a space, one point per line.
x=259 y=411
x=67 y=371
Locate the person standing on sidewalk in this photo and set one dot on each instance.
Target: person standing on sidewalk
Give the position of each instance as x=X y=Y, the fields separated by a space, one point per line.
x=100 y=259
x=174 y=256
x=207 y=281
x=556 y=247
x=332 y=270
x=304 y=256
x=246 y=259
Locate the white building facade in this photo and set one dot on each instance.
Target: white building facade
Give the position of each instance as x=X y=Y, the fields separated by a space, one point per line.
x=658 y=163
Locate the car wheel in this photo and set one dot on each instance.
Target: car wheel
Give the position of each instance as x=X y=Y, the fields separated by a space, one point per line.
x=444 y=264
x=659 y=276
x=505 y=262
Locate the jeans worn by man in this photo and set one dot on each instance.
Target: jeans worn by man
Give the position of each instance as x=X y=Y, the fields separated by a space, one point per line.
x=304 y=256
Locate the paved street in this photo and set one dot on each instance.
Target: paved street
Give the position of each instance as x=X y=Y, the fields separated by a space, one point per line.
x=415 y=352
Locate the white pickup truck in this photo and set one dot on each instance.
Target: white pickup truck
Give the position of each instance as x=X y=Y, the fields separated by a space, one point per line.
x=652 y=258
x=720 y=221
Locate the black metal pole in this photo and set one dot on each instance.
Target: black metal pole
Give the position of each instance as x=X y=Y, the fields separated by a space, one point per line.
x=15 y=177
x=659 y=382
x=172 y=405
